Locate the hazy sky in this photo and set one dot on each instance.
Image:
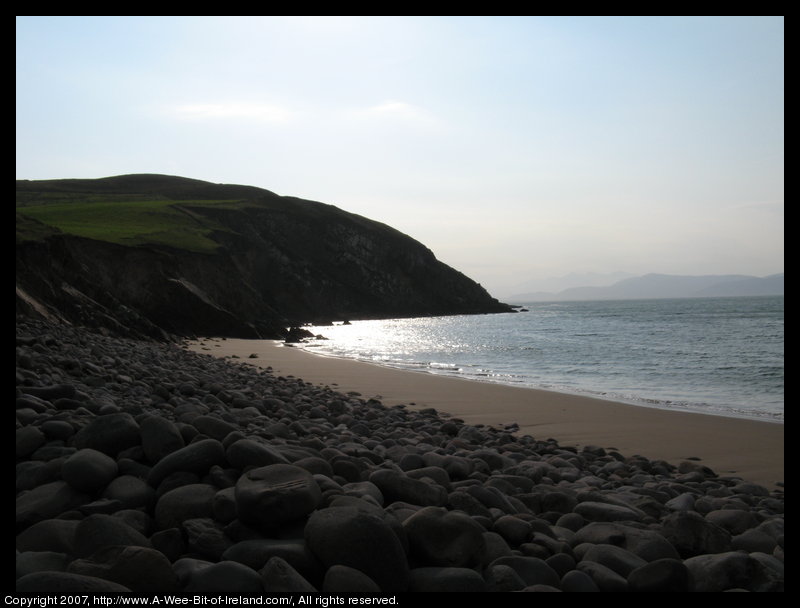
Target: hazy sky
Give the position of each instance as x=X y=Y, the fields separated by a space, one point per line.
x=515 y=148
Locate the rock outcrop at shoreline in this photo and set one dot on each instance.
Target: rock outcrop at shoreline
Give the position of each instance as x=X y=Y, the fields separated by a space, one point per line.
x=187 y=257
x=143 y=467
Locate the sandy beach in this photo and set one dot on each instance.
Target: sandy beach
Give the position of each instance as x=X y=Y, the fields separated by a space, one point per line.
x=752 y=450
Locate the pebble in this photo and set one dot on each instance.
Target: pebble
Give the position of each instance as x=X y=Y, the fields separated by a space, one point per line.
x=142 y=466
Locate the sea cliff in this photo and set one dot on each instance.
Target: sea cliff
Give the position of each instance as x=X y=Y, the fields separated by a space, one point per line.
x=151 y=254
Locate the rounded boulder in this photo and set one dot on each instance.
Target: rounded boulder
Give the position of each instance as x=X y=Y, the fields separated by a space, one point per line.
x=270 y=496
x=438 y=537
x=89 y=470
x=358 y=539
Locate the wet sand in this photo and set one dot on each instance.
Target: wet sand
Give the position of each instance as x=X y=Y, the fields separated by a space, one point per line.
x=750 y=449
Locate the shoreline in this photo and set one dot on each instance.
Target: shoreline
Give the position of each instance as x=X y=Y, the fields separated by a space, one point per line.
x=649 y=404
x=741 y=447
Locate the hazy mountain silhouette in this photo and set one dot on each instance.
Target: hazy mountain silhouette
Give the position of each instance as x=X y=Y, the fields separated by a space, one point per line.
x=665 y=286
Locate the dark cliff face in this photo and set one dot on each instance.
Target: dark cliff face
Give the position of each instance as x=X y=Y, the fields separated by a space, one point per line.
x=280 y=261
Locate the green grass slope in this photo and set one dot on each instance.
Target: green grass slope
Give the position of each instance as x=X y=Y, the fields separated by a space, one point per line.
x=132 y=210
x=132 y=223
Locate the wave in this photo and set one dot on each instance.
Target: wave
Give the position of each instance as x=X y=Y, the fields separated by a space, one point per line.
x=648 y=354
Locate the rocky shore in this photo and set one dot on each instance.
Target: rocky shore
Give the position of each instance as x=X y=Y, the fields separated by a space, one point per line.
x=143 y=467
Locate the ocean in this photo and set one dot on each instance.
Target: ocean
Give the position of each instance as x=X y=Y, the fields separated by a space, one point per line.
x=719 y=356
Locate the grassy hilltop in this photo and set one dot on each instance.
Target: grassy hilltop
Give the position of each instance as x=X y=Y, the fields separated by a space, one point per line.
x=128 y=210
x=190 y=256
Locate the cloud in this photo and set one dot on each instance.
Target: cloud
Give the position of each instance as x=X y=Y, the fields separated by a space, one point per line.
x=398 y=111
x=260 y=112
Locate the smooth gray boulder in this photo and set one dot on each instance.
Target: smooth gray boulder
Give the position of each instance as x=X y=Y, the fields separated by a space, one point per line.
x=89 y=470
x=278 y=576
x=360 y=540
x=46 y=502
x=661 y=575
x=197 y=457
x=183 y=503
x=271 y=496
x=110 y=433
x=141 y=569
x=438 y=537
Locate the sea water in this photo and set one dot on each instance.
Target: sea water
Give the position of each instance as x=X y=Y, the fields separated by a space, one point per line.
x=714 y=355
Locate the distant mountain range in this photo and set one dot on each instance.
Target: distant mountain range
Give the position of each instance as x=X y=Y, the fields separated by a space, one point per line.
x=664 y=286
x=560 y=283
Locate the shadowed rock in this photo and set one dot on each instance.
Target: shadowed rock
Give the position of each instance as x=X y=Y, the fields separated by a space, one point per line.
x=141 y=569
x=109 y=434
x=185 y=502
x=670 y=575
x=99 y=531
x=460 y=580
x=67 y=582
x=691 y=534
x=343 y=579
x=196 y=457
x=438 y=537
x=279 y=576
x=89 y=470
x=398 y=487
x=47 y=501
x=160 y=437
x=227 y=578
x=270 y=496
x=360 y=540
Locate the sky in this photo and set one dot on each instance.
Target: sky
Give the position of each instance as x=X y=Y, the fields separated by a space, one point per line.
x=515 y=148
